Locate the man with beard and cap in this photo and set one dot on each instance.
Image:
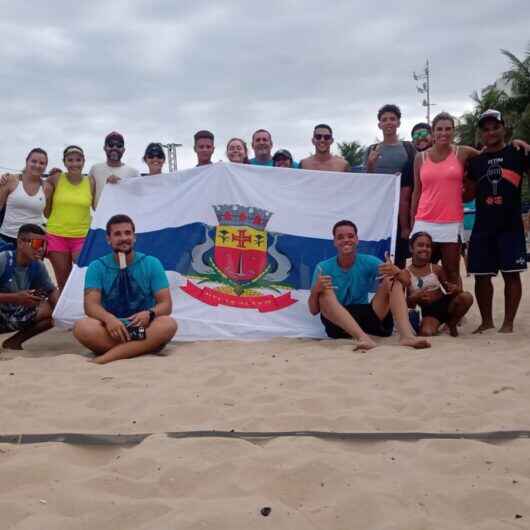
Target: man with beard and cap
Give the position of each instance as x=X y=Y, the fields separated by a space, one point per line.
x=497 y=240
x=323 y=159
x=391 y=156
x=127 y=300
x=113 y=170
x=262 y=146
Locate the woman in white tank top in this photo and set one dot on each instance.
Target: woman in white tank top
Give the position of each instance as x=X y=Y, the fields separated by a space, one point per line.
x=23 y=196
x=441 y=302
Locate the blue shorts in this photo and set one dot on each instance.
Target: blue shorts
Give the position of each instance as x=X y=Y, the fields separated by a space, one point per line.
x=491 y=252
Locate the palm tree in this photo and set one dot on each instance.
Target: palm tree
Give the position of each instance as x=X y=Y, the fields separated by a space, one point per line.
x=517 y=81
x=353 y=152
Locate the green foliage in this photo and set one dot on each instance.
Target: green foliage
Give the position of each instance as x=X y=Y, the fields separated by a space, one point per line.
x=512 y=98
x=353 y=152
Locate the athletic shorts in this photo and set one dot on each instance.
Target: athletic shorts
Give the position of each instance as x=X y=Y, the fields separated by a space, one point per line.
x=68 y=245
x=365 y=316
x=16 y=317
x=491 y=252
x=438 y=310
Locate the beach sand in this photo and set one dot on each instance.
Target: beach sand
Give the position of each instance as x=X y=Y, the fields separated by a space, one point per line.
x=471 y=384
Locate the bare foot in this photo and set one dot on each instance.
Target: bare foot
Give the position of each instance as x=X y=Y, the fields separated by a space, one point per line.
x=483 y=327
x=12 y=344
x=364 y=344
x=507 y=327
x=415 y=342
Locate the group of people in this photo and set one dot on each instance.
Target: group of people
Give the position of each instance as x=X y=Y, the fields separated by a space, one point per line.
x=436 y=177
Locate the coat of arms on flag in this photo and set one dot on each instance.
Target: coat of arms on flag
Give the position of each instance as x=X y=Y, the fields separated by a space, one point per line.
x=243 y=268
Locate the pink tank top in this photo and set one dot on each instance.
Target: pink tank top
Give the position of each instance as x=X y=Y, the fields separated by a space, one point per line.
x=441 y=190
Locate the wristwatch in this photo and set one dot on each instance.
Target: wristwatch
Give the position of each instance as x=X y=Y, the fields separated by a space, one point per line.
x=152 y=315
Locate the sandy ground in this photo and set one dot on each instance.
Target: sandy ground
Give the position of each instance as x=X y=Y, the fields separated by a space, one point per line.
x=475 y=383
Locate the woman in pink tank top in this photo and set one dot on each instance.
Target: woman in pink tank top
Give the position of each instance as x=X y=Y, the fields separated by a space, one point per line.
x=437 y=206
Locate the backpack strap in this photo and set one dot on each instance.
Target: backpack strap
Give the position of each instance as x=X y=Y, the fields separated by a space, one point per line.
x=411 y=150
x=9 y=268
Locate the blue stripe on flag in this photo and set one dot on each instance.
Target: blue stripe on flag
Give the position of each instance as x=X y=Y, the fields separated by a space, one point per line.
x=174 y=247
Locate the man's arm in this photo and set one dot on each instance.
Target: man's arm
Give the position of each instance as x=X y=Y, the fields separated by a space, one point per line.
x=417 y=188
x=469 y=191
x=163 y=306
x=93 y=309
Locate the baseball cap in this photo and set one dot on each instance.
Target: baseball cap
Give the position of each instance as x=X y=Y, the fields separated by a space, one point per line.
x=282 y=153
x=490 y=114
x=114 y=135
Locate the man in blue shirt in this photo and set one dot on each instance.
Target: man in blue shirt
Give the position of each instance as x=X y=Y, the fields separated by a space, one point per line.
x=27 y=294
x=340 y=290
x=127 y=300
x=262 y=146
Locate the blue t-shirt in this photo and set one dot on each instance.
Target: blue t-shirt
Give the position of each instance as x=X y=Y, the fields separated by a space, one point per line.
x=353 y=284
x=255 y=162
x=146 y=270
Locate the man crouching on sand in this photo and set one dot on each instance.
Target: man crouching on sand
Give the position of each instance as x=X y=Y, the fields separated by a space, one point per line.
x=127 y=300
x=340 y=290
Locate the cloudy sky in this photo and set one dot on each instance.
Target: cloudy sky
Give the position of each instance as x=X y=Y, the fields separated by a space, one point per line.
x=159 y=70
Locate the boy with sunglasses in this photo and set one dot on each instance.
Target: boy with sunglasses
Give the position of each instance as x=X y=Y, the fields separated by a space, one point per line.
x=27 y=294
x=323 y=160
x=113 y=170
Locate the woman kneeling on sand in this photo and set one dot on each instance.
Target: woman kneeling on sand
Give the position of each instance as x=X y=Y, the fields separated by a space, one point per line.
x=441 y=302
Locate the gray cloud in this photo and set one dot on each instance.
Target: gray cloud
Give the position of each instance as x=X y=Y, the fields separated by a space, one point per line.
x=161 y=70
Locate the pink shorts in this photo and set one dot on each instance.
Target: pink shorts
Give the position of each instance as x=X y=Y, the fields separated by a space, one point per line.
x=69 y=245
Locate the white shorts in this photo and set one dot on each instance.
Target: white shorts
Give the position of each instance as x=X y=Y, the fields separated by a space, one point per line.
x=440 y=232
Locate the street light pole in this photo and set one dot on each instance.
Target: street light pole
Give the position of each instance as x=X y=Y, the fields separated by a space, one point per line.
x=425 y=88
x=172 y=155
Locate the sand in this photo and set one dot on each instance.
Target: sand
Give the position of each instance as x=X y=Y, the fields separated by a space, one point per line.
x=470 y=384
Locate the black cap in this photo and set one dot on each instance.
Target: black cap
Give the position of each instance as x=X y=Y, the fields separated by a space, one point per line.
x=155 y=149
x=282 y=153
x=490 y=114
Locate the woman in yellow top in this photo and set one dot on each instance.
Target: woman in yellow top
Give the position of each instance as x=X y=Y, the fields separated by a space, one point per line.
x=68 y=210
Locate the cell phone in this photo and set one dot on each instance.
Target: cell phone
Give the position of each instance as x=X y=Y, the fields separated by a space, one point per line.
x=41 y=293
x=136 y=332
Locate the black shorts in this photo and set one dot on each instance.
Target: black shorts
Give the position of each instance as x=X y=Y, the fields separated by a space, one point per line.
x=438 y=310
x=365 y=316
x=490 y=252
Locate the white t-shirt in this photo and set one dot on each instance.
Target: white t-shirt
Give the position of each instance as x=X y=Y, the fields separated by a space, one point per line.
x=100 y=173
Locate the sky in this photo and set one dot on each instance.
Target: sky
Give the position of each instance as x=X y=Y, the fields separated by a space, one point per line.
x=160 y=70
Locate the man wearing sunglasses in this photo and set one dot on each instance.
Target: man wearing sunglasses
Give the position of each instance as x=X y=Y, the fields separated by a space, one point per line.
x=323 y=159
x=27 y=294
x=113 y=170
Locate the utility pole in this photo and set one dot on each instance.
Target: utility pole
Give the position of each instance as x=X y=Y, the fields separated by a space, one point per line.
x=425 y=88
x=172 y=155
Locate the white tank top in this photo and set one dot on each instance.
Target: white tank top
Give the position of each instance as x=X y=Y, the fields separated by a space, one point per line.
x=22 y=208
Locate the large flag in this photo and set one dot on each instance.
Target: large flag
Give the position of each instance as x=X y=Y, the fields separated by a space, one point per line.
x=240 y=243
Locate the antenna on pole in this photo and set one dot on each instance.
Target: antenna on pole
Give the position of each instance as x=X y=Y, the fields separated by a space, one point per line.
x=172 y=155
x=424 y=87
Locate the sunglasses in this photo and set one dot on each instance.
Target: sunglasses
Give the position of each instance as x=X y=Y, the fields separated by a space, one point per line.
x=112 y=144
x=420 y=134
x=36 y=244
x=326 y=137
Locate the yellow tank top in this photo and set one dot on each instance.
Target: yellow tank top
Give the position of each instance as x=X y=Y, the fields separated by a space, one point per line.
x=70 y=215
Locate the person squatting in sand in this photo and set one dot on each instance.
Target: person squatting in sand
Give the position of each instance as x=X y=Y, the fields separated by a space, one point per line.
x=27 y=294
x=340 y=290
x=441 y=302
x=127 y=300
